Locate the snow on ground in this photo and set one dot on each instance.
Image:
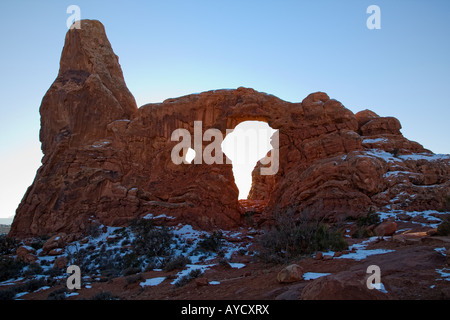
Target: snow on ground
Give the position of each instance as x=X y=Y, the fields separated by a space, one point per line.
x=375 y=140
x=389 y=157
x=361 y=252
x=429 y=215
x=380 y=287
x=191 y=267
x=152 y=281
x=444 y=273
x=424 y=156
x=314 y=275
x=441 y=251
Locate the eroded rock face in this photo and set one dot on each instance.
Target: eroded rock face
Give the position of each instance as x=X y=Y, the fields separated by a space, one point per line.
x=106 y=161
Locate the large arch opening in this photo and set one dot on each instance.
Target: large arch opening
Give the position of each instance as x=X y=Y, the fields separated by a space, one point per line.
x=248 y=143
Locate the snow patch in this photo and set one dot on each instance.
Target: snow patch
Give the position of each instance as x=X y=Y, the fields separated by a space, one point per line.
x=379 y=287
x=361 y=252
x=314 y=275
x=445 y=274
x=424 y=156
x=152 y=282
x=191 y=267
x=375 y=140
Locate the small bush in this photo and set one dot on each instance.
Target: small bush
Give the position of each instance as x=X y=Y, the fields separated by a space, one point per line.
x=195 y=273
x=363 y=222
x=131 y=271
x=93 y=230
x=32 y=285
x=178 y=262
x=38 y=243
x=446 y=204
x=7 y=294
x=395 y=152
x=58 y=294
x=33 y=269
x=444 y=228
x=290 y=239
x=125 y=242
x=111 y=273
x=133 y=278
x=104 y=296
x=212 y=242
x=7 y=245
x=10 y=268
x=150 y=240
x=54 y=272
x=371 y=218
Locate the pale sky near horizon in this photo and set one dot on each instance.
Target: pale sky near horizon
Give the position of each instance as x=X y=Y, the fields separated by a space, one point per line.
x=285 y=48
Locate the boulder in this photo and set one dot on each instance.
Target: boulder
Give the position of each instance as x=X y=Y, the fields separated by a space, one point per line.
x=60 y=263
x=343 y=286
x=201 y=282
x=55 y=242
x=381 y=125
x=386 y=229
x=365 y=116
x=26 y=254
x=291 y=273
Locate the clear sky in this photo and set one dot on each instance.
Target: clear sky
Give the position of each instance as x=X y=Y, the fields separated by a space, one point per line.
x=286 y=48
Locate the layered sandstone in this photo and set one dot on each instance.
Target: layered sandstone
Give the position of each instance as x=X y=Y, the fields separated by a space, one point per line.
x=107 y=161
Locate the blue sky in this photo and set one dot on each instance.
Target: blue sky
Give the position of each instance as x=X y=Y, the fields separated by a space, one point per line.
x=286 y=48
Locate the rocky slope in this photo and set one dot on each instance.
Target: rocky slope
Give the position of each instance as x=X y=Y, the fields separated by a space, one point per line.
x=107 y=161
x=414 y=264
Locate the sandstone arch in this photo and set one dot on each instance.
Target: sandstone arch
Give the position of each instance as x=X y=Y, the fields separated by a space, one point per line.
x=107 y=160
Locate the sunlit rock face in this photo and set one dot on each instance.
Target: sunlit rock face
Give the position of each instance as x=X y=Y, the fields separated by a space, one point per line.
x=107 y=161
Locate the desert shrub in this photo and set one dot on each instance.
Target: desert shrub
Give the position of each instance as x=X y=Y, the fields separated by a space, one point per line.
x=125 y=242
x=93 y=230
x=212 y=242
x=31 y=285
x=444 y=228
x=111 y=273
x=151 y=241
x=195 y=273
x=130 y=261
x=224 y=262
x=10 y=268
x=38 y=242
x=130 y=271
x=248 y=216
x=7 y=294
x=33 y=269
x=104 y=295
x=371 y=218
x=54 y=272
x=289 y=239
x=395 y=152
x=7 y=245
x=178 y=262
x=133 y=278
x=446 y=204
x=364 y=222
x=58 y=294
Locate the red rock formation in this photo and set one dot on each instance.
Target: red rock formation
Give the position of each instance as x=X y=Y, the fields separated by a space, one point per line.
x=108 y=162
